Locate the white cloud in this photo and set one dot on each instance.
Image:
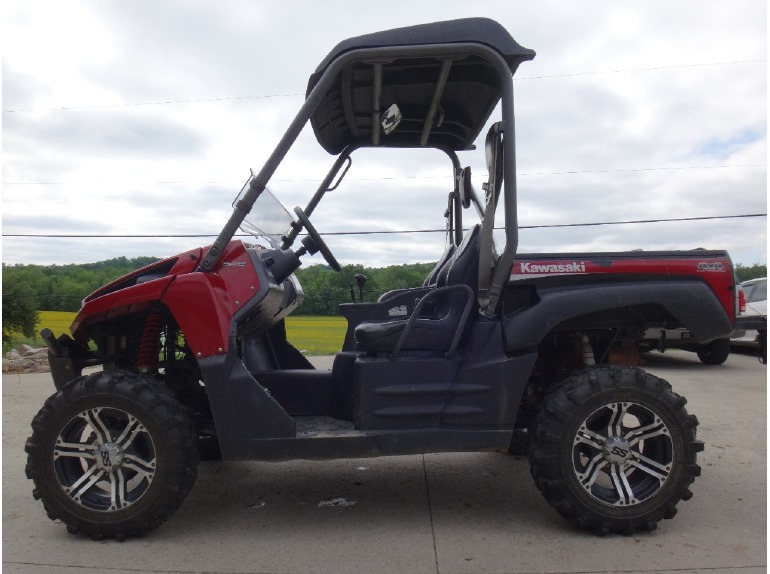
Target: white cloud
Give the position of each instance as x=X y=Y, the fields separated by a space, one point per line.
x=629 y=111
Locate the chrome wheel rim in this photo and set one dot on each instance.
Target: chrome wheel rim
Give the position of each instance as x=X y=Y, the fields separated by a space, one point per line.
x=622 y=454
x=104 y=459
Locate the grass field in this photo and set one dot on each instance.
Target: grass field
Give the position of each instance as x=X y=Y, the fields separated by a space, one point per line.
x=312 y=335
x=58 y=321
x=316 y=335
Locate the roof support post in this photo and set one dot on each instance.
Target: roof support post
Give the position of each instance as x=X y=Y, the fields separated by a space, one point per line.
x=502 y=270
x=376 y=95
x=446 y=65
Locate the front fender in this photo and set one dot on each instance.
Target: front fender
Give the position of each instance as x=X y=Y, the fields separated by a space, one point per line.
x=117 y=303
x=204 y=304
x=202 y=309
x=691 y=303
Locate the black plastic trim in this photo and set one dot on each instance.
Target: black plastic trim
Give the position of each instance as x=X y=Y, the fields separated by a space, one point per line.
x=691 y=303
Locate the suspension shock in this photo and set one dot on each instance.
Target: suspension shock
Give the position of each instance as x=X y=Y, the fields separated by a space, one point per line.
x=149 y=348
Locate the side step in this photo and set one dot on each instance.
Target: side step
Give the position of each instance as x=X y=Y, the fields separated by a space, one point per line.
x=325 y=438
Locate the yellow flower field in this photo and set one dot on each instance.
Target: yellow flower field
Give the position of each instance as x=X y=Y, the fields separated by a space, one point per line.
x=316 y=335
x=312 y=335
x=58 y=321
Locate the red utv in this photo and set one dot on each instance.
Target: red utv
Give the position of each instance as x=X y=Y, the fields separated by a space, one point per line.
x=194 y=356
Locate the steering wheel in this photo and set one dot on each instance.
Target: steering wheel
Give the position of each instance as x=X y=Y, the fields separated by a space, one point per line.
x=320 y=244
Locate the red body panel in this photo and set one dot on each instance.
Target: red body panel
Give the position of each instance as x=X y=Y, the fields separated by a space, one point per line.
x=117 y=303
x=202 y=303
x=124 y=296
x=714 y=270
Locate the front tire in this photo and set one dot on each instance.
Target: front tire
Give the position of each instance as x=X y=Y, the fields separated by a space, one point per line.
x=112 y=454
x=614 y=450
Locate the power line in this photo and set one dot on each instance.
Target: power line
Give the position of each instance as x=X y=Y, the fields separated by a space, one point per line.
x=236 y=98
x=230 y=182
x=382 y=232
x=640 y=221
x=656 y=68
x=637 y=169
x=160 y=103
x=389 y=178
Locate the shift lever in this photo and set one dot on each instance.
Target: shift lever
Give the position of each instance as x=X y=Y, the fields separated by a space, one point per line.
x=361 y=280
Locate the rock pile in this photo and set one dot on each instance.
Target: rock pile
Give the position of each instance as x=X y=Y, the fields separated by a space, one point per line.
x=26 y=359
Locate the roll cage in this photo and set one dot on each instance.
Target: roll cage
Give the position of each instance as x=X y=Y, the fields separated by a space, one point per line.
x=433 y=85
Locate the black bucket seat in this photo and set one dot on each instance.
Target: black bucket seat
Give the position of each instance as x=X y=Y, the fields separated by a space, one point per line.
x=438 y=321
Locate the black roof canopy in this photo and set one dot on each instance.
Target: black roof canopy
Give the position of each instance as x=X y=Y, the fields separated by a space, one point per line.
x=439 y=75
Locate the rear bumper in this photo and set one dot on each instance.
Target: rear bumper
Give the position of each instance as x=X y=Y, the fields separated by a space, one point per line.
x=752 y=323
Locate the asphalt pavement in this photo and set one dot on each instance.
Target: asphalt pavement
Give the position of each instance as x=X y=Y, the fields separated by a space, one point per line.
x=433 y=513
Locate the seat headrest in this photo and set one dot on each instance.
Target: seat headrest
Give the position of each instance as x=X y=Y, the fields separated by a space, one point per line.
x=463 y=267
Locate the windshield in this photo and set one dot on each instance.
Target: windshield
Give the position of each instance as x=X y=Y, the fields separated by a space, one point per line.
x=268 y=219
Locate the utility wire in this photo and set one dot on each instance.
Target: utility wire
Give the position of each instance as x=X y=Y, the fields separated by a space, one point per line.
x=387 y=178
x=577 y=74
x=235 y=98
x=638 y=221
x=384 y=232
x=97 y=106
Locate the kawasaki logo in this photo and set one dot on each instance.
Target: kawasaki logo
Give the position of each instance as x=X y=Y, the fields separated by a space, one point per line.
x=573 y=267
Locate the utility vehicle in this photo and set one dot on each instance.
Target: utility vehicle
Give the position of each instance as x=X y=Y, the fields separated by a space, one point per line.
x=195 y=358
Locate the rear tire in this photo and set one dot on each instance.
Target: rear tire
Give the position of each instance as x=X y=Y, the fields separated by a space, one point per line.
x=614 y=450
x=112 y=455
x=715 y=353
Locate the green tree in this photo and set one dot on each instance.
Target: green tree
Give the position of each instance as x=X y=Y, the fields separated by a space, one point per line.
x=63 y=287
x=19 y=308
x=744 y=273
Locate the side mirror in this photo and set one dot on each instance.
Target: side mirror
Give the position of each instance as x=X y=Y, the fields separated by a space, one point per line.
x=464 y=187
x=493 y=148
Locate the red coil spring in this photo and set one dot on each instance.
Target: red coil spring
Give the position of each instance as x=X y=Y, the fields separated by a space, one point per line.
x=149 y=348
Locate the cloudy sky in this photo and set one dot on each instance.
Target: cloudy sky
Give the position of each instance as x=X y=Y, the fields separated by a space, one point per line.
x=143 y=117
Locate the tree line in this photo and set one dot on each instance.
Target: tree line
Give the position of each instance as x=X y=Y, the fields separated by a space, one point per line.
x=744 y=272
x=63 y=287
x=325 y=290
x=29 y=288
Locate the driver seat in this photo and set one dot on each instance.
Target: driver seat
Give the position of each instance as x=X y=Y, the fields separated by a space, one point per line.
x=438 y=321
